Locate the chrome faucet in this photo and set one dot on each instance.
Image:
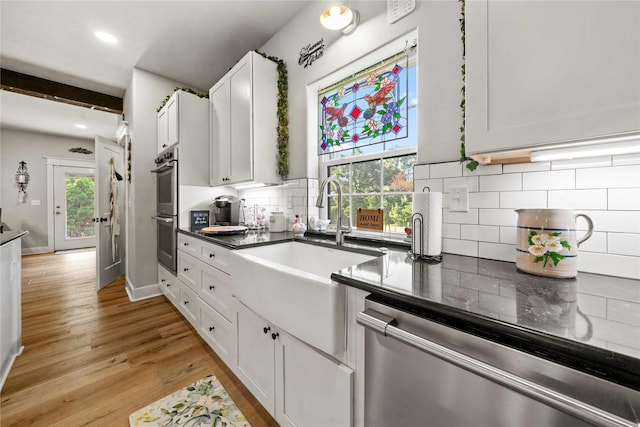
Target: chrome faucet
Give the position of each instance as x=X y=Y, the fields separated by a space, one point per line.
x=340 y=230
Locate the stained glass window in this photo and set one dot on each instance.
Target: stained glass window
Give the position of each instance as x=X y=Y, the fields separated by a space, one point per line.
x=369 y=107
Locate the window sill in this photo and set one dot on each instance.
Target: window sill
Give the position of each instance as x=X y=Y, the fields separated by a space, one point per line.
x=366 y=237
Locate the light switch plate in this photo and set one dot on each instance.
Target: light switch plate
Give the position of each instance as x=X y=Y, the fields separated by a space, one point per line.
x=458 y=198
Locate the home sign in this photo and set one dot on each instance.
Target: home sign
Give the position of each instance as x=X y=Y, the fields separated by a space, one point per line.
x=371 y=219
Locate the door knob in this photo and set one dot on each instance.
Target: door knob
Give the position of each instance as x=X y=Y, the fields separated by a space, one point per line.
x=104 y=219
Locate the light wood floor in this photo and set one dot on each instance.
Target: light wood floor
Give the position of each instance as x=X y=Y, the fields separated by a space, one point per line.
x=93 y=358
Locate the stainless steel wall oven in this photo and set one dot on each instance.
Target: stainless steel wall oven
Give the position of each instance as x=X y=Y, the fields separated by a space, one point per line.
x=167 y=206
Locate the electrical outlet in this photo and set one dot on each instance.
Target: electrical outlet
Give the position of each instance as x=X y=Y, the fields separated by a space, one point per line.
x=458 y=198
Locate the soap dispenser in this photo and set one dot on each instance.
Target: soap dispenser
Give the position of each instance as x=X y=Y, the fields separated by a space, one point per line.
x=298 y=227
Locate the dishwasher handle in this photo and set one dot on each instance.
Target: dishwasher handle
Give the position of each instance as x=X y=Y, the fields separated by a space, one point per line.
x=385 y=325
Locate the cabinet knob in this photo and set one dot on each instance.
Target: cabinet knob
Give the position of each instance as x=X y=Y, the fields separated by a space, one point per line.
x=211 y=328
x=211 y=287
x=186 y=303
x=266 y=329
x=212 y=255
x=164 y=145
x=275 y=335
x=168 y=285
x=163 y=280
x=185 y=269
x=186 y=243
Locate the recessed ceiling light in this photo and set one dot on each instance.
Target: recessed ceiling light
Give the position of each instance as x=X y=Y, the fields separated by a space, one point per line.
x=106 y=37
x=79 y=126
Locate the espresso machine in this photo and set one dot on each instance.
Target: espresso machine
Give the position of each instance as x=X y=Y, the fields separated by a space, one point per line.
x=226 y=210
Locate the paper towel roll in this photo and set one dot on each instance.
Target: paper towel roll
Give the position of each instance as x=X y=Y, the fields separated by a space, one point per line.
x=429 y=204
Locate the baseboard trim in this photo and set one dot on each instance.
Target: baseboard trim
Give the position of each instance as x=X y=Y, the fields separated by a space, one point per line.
x=144 y=292
x=36 y=250
x=5 y=374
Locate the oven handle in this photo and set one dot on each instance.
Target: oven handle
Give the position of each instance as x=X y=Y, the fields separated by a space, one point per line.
x=385 y=325
x=165 y=166
x=162 y=218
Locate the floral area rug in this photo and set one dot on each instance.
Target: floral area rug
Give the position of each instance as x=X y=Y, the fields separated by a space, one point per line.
x=203 y=403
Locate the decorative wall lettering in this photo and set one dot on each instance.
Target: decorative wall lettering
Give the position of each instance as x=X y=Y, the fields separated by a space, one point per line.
x=311 y=52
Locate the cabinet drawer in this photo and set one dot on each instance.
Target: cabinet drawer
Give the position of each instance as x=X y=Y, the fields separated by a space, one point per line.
x=215 y=290
x=188 y=305
x=218 y=332
x=168 y=285
x=216 y=256
x=190 y=245
x=189 y=271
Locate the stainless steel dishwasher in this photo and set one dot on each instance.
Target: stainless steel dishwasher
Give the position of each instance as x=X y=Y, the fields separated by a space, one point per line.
x=422 y=373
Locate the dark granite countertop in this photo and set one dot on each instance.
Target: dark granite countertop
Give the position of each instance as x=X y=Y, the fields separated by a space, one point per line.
x=591 y=323
x=7 y=236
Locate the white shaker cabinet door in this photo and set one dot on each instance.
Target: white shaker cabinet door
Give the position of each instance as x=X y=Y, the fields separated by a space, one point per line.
x=311 y=388
x=255 y=357
x=546 y=72
x=219 y=133
x=241 y=121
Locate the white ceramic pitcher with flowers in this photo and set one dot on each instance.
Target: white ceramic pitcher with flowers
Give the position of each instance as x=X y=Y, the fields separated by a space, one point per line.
x=546 y=242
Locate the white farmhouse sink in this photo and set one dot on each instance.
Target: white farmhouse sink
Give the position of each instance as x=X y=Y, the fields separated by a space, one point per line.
x=289 y=285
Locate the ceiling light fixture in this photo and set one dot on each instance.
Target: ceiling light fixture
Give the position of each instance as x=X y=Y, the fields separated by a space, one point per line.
x=106 y=37
x=611 y=146
x=337 y=16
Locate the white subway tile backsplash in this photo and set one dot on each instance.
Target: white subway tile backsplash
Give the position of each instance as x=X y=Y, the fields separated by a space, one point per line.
x=596 y=243
x=523 y=199
x=499 y=251
x=613 y=177
x=508 y=235
x=578 y=199
x=626 y=159
x=435 y=185
x=507 y=182
x=615 y=221
x=526 y=167
x=483 y=170
x=590 y=162
x=609 y=264
x=484 y=200
x=481 y=233
x=460 y=247
x=470 y=181
x=624 y=244
x=624 y=199
x=505 y=217
x=552 y=180
x=445 y=170
x=450 y=231
x=421 y=172
x=470 y=217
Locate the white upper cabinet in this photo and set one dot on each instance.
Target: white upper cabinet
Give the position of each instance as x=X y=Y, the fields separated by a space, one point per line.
x=243 y=123
x=168 y=125
x=546 y=72
x=184 y=120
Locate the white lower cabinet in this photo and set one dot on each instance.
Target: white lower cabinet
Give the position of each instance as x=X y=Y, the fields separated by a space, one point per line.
x=188 y=305
x=169 y=285
x=297 y=384
x=218 y=332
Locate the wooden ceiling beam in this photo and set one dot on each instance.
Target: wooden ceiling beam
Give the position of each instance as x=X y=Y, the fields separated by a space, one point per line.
x=47 y=89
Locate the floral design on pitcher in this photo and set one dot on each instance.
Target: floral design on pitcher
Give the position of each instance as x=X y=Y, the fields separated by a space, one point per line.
x=547 y=246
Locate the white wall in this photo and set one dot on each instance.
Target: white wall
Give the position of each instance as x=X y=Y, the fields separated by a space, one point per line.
x=32 y=148
x=143 y=96
x=439 y=81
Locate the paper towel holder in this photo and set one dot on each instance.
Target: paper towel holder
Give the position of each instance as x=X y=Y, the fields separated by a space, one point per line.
x=417 y=222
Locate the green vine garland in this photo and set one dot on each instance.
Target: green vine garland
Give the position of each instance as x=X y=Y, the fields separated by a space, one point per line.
x=283 y=116
x=186 y=89
x=473 y=164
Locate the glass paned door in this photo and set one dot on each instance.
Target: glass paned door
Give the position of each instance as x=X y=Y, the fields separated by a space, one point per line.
x=74 y=207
